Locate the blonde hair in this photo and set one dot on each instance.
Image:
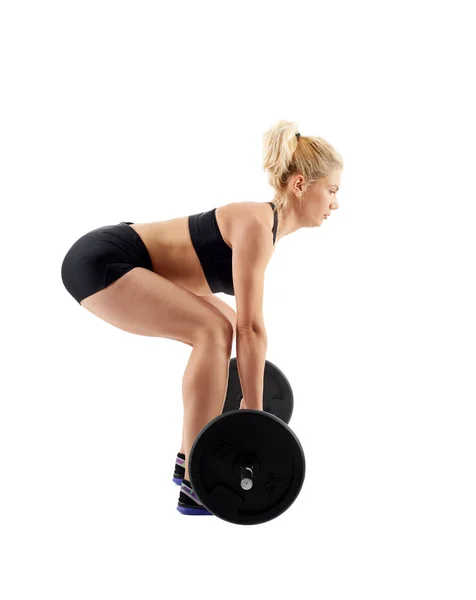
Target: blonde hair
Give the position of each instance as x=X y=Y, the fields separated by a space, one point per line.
x=285 y=154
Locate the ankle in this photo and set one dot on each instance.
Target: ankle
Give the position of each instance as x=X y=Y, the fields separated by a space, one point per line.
x=183 y=463
x=179 y=471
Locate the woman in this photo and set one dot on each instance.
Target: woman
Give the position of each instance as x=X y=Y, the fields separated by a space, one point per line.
x=159 y=279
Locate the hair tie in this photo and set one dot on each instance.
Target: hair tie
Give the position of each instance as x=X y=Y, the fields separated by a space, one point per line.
x=298 y=135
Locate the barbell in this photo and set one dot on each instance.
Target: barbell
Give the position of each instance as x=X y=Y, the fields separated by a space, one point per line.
x=248 y=466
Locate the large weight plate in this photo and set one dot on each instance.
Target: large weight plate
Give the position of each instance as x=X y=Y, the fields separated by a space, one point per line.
x=247 y=437
x=278 y=396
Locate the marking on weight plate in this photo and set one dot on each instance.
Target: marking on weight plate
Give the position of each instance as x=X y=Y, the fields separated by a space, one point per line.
x=272 y=482
x=223 y=450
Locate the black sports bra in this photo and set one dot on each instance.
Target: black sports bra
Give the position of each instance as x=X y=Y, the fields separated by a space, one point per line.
x=213 y=252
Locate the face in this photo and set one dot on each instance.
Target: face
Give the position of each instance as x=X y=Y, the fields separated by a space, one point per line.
x=320 y=199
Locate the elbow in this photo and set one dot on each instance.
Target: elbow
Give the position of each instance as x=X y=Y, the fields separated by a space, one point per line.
x=256 y=328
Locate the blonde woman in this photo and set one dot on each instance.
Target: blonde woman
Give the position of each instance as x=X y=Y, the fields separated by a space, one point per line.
x=159 y=278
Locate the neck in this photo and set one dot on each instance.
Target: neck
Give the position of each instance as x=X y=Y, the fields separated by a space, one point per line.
x=288 y=223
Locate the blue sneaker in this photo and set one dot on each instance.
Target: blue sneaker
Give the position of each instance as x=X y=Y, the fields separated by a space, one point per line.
x=179 y=472
x=188 y=503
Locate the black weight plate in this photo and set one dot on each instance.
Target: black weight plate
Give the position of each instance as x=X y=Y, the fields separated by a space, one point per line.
x=247 y=437
x=278 y=398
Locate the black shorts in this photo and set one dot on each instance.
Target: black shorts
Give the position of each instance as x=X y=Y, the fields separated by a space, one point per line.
x=100 y=257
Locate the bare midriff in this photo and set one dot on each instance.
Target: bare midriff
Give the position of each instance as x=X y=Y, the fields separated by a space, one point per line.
x=170 y=245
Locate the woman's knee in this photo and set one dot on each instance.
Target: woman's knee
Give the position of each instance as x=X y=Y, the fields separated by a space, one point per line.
x=225 y=308
x=217 y=331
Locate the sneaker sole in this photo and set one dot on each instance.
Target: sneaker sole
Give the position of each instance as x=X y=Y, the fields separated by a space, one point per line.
x=193 y=511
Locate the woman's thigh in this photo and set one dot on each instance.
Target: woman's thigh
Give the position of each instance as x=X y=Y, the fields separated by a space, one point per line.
x=144 y=303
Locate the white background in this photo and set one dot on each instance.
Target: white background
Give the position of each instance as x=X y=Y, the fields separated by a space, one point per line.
x=144 y=111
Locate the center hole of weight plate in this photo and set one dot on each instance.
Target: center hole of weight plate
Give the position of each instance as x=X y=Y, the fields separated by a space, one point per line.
x=247 y=468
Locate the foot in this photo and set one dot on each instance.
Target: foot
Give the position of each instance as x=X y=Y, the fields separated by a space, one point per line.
x=179 y=469
x=188 y=503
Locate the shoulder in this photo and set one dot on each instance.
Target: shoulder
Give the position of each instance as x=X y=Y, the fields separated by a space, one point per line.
x=252 y=237
x=241 y=215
